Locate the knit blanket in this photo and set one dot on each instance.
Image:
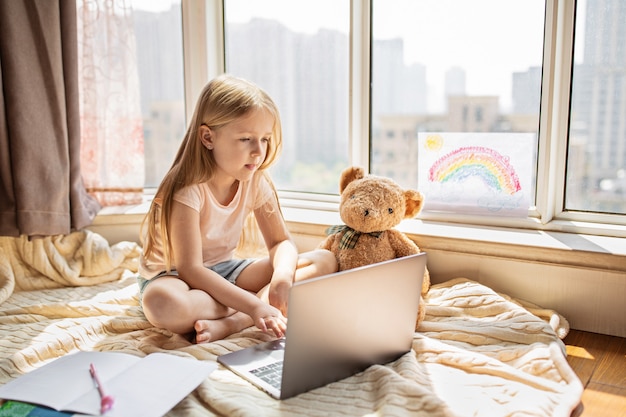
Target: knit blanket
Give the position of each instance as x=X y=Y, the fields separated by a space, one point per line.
x=477 y=352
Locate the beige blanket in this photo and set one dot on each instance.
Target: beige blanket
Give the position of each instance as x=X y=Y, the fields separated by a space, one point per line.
x=477 y=353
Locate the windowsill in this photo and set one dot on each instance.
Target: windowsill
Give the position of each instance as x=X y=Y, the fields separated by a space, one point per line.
x=586 y=251
x=549 y=247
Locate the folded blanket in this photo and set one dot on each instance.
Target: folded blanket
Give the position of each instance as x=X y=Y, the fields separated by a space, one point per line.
x=477 y=353
x=80 y=258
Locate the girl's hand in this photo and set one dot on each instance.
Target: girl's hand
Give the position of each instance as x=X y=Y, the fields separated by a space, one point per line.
x=269 y=318
x=279 y=295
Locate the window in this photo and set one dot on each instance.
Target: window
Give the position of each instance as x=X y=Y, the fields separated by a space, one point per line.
x=158 y=31
x=596 y=163
x=467 y=73
x=536 y=84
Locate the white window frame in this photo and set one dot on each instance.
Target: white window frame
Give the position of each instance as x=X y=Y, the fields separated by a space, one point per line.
x=203 y=45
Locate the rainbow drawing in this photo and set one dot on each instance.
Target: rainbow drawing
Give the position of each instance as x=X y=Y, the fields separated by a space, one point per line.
x=476 y=162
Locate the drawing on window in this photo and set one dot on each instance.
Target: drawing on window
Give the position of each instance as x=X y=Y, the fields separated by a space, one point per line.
x=476 y=173
x=492 y=168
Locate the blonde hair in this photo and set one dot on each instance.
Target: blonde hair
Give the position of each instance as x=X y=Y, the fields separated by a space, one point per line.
x=222 y=101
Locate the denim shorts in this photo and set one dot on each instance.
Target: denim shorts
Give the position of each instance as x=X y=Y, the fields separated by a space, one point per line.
x=230 y=270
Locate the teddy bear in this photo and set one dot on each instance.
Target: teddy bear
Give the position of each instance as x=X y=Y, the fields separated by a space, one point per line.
x=371 y=206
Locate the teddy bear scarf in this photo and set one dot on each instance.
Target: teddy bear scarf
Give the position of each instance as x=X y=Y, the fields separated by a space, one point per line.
x=350 y=236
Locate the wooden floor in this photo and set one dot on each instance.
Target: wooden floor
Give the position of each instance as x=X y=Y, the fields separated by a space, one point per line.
x=600 y=363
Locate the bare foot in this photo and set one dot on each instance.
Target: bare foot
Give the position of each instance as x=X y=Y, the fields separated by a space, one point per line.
x=212 y=330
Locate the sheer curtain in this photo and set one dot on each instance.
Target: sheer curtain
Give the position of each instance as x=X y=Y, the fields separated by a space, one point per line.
x=112 y=152
x=41 y=190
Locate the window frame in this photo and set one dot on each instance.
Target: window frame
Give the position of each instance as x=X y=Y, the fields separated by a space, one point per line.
x=204 y=58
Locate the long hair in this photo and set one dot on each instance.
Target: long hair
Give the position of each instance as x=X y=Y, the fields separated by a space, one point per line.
x=223 y=100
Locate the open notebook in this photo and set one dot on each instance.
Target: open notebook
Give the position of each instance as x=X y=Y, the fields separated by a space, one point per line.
x=339 y=324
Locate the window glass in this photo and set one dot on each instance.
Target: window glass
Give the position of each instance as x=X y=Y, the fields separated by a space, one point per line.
x=596 y=159
x=298 y=52
x=158 y=30
x=456 y=89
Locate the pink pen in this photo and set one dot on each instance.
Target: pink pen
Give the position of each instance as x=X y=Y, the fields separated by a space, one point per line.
x=106 y=401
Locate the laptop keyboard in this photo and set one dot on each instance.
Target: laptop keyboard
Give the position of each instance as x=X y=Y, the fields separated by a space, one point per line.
x=271 y=373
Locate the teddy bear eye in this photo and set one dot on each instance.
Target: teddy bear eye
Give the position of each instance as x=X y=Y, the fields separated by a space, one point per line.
x=390 y=210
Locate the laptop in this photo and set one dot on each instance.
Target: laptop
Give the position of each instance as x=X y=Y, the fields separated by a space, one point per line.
x=339 y=325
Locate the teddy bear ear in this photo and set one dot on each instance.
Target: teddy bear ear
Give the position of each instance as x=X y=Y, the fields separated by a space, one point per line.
x=348 y=175
x=414 y=200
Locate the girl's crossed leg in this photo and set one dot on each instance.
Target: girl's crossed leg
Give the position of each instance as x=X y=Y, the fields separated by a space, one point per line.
x=171 y=304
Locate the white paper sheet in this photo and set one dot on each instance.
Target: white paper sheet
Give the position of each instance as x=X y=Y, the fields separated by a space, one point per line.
x=477 y=173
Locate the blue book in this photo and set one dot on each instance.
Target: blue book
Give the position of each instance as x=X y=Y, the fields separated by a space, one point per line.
x=20 y=409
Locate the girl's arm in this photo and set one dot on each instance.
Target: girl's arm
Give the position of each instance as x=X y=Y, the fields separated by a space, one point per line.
x=282 y=252
x=187 y=250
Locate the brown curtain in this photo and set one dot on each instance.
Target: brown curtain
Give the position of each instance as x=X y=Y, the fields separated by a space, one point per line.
x=41 y=189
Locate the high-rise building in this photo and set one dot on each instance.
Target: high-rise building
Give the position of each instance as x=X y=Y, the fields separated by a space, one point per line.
x=599 y=84
x=160 y=65
x=398 y=88
x=598 y=119
x=526 y=91
x=455 y=82
x=299 y=71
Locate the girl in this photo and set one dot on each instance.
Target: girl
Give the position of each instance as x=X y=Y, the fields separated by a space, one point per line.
x=189 y=278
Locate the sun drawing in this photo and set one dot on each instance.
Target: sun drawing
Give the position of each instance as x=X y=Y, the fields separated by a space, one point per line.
x=433 y=142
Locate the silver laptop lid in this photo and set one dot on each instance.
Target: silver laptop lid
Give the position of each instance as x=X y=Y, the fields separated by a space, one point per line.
x=342 y=323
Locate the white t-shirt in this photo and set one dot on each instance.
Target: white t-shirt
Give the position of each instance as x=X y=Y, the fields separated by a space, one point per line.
x=220 y=226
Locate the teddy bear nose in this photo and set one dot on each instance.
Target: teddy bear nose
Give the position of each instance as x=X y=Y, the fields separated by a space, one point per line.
x=371 y=212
